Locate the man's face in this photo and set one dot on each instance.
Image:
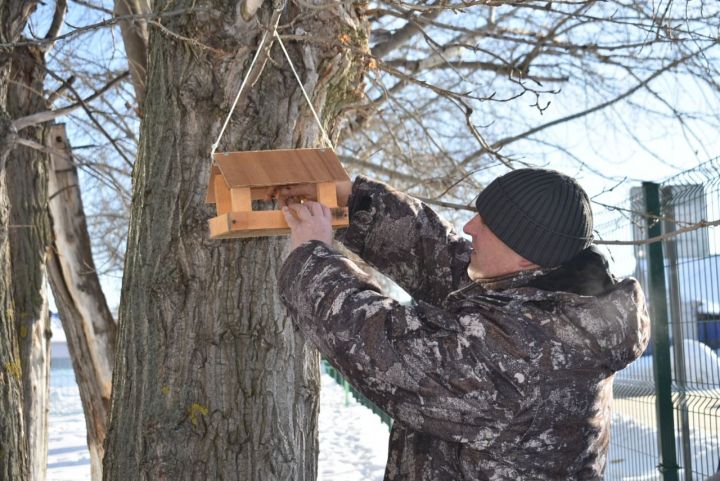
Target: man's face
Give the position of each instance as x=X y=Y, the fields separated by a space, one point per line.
x=490 y=256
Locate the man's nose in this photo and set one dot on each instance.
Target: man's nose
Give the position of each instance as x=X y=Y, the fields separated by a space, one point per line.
x=468 y=228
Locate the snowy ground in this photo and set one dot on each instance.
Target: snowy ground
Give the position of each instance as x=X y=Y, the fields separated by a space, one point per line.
x=68 y=457
x=353 y=441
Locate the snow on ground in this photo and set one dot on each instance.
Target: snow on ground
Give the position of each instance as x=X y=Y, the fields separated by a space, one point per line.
x=353 y=441
x=68 y=456
x=702 y=367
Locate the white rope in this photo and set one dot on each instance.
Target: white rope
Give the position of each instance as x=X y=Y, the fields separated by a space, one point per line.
x=247 y=76
x=297 y=77
x=242 y=86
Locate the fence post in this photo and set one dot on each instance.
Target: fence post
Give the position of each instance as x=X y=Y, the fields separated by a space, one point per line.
x=660 y=337
x=667 y=200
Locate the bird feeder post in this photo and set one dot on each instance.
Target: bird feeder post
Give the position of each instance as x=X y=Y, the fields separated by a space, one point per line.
x=241 y=199
x=223 y=202
x=327 y=194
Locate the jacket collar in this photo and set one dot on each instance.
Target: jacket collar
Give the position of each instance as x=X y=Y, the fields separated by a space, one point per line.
x=500 y=283
x=586 y=274
x=513 y=280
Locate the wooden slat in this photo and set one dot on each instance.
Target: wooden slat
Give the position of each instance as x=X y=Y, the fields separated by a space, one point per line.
x=214 y=172
x=219 y=226
x=280 y=167
x=241 y=199
x=222 y=195
x=261 y=224
x=327 y=194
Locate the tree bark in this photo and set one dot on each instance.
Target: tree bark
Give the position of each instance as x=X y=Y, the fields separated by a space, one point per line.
x=13 y=447
x=86 y=318
x=211 y=380
x=29 y=240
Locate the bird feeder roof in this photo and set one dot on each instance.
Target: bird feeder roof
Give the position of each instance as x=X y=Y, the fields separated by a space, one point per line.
x=279 y=167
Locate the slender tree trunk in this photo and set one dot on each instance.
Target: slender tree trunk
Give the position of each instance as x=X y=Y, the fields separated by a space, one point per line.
x=86 y=318
x=211 y=379
x=29 y=241
x=13 y=445
x=13 y=448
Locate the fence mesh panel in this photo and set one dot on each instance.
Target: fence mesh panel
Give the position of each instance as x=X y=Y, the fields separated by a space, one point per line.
x=692 y=279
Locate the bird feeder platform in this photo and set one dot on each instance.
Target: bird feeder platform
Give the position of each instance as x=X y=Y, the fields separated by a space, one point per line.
x=238 y=178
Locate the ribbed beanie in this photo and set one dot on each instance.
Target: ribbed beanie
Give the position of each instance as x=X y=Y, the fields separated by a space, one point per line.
x=543 y=215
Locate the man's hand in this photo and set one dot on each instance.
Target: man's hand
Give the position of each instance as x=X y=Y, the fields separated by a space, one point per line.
x=308 y=221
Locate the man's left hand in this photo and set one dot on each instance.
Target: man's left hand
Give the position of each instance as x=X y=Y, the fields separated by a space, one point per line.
x=308 y=221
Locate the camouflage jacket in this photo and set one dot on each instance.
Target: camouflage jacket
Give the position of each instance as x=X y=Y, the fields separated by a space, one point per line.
x=509 y=379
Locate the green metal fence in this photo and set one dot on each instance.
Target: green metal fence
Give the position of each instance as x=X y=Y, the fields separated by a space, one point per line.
x=666 y=424
x=357 y=395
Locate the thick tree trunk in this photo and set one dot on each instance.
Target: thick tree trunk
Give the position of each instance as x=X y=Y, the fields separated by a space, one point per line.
x=29 y=241
x=86 y=318
x=211 y=379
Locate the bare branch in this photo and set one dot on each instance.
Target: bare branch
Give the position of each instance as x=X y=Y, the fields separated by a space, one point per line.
x=135 y=38
x=105 y=23
x=410 y=29
x=39 y=147
x=57 y=22
x=92 y=6
x=449 y=205
x=49 y=115
x=508 y=140
x=90 y=115
x=669 y=235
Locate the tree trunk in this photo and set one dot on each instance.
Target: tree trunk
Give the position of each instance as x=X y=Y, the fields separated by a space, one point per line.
x=29 y=240
x=86 y=318
x=211 y=379
x=13 y=447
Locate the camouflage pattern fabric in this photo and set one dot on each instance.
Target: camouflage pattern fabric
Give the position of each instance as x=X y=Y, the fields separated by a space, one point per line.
x=493 y=380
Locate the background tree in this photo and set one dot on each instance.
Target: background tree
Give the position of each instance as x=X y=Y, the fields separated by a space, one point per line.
x=26 y=177
x=30 y=238
x=87 y=321
x=14 y=461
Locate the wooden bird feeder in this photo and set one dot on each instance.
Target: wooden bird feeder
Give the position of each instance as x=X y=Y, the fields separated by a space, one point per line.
x=238 y=178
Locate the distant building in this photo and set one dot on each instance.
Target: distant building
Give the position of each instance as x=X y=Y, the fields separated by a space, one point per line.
x=59 y=352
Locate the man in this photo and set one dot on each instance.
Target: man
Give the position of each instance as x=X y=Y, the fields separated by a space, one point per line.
x=502 y=368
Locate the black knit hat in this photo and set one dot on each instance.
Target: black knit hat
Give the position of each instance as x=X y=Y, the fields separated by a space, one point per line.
x=542 y=215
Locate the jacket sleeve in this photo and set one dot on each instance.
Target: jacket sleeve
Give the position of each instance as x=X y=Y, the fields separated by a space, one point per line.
x=406 y=240
x=430 y=370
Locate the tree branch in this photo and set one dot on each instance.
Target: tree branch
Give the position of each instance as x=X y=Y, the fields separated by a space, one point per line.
x=48 y=115
x=135 y=38
x=508 y=140
x=105 y=23
x=56 y=25
x=669 y=235
x=409 y=30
